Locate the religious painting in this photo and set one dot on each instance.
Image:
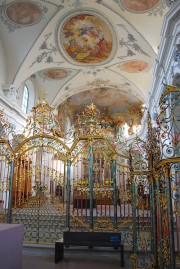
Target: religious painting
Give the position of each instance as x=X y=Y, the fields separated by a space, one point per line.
x=55 y=73
x=140 y=5
x=117 y=103
x=23 y=13
x=102 y=97
x=135 y=66
x=87 y=39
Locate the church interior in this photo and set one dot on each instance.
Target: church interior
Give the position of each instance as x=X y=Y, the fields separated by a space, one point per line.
x=90 y=123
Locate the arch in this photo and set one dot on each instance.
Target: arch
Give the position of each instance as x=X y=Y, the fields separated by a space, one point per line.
x=31 y=98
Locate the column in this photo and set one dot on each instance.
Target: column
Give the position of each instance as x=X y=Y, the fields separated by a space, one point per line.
x=166 y=170
x=10 y=191
x=68 y=195
x=91 y=183
x=113 y=174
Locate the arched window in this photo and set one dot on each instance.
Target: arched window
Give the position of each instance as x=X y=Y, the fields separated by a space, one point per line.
x=25 y=99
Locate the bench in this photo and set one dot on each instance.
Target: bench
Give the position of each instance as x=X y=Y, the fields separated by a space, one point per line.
x=90 y=239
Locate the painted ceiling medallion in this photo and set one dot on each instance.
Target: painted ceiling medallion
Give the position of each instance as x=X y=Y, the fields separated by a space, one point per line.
x=23 y=13
x=87 y=39
x=135 y=66
x=139 y=5
x=55 y=73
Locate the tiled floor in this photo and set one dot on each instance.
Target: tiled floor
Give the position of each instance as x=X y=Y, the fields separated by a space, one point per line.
x=37 y=258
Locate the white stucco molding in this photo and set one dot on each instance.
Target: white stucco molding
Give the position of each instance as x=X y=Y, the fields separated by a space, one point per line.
x=169 y=33
x=14 y=113
x=10 y=92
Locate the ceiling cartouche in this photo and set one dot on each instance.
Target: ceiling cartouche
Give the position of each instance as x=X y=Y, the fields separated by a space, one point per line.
x=87 y=39
x=23 y=12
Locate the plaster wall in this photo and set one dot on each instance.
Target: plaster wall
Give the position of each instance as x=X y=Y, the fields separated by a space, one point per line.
x=3 y=67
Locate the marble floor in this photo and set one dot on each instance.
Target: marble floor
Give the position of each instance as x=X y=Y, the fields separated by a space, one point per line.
x=99 y=258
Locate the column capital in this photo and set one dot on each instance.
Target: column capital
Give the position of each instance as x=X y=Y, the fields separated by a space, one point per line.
x=10 y=92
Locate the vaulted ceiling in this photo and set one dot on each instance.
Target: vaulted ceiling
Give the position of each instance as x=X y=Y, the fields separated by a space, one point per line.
x=82 y=51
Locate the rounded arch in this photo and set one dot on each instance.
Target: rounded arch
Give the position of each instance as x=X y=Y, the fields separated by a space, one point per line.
x=29 y=84
x=45 y=140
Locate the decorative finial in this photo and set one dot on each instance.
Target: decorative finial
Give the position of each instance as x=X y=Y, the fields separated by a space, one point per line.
x=42 y=95
x=92 y=106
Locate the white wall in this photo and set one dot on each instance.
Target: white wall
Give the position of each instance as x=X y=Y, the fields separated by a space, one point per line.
x=3 y=66
x=165 y=61
x=13 y=114
x=11 y=110
x=12 y=106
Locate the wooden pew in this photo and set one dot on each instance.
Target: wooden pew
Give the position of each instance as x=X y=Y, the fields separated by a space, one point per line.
x=89 y=239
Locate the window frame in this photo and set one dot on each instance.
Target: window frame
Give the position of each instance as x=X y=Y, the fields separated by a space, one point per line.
x=25 y=99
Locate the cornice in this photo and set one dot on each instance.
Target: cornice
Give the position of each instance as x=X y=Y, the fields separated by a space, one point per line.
x=171 y=18
x=12 y=107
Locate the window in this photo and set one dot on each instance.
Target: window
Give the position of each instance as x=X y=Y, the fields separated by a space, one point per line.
x=25 y=99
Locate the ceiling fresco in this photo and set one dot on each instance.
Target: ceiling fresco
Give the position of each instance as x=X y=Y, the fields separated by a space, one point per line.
x=117 y=103
x=139 y=5
x=55 y=73
x=87 y=39
x=135 y=66
x=23 y=13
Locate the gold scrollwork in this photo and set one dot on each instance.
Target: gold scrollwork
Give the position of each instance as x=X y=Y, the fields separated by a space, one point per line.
x=165 y=249
x=103 y=223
